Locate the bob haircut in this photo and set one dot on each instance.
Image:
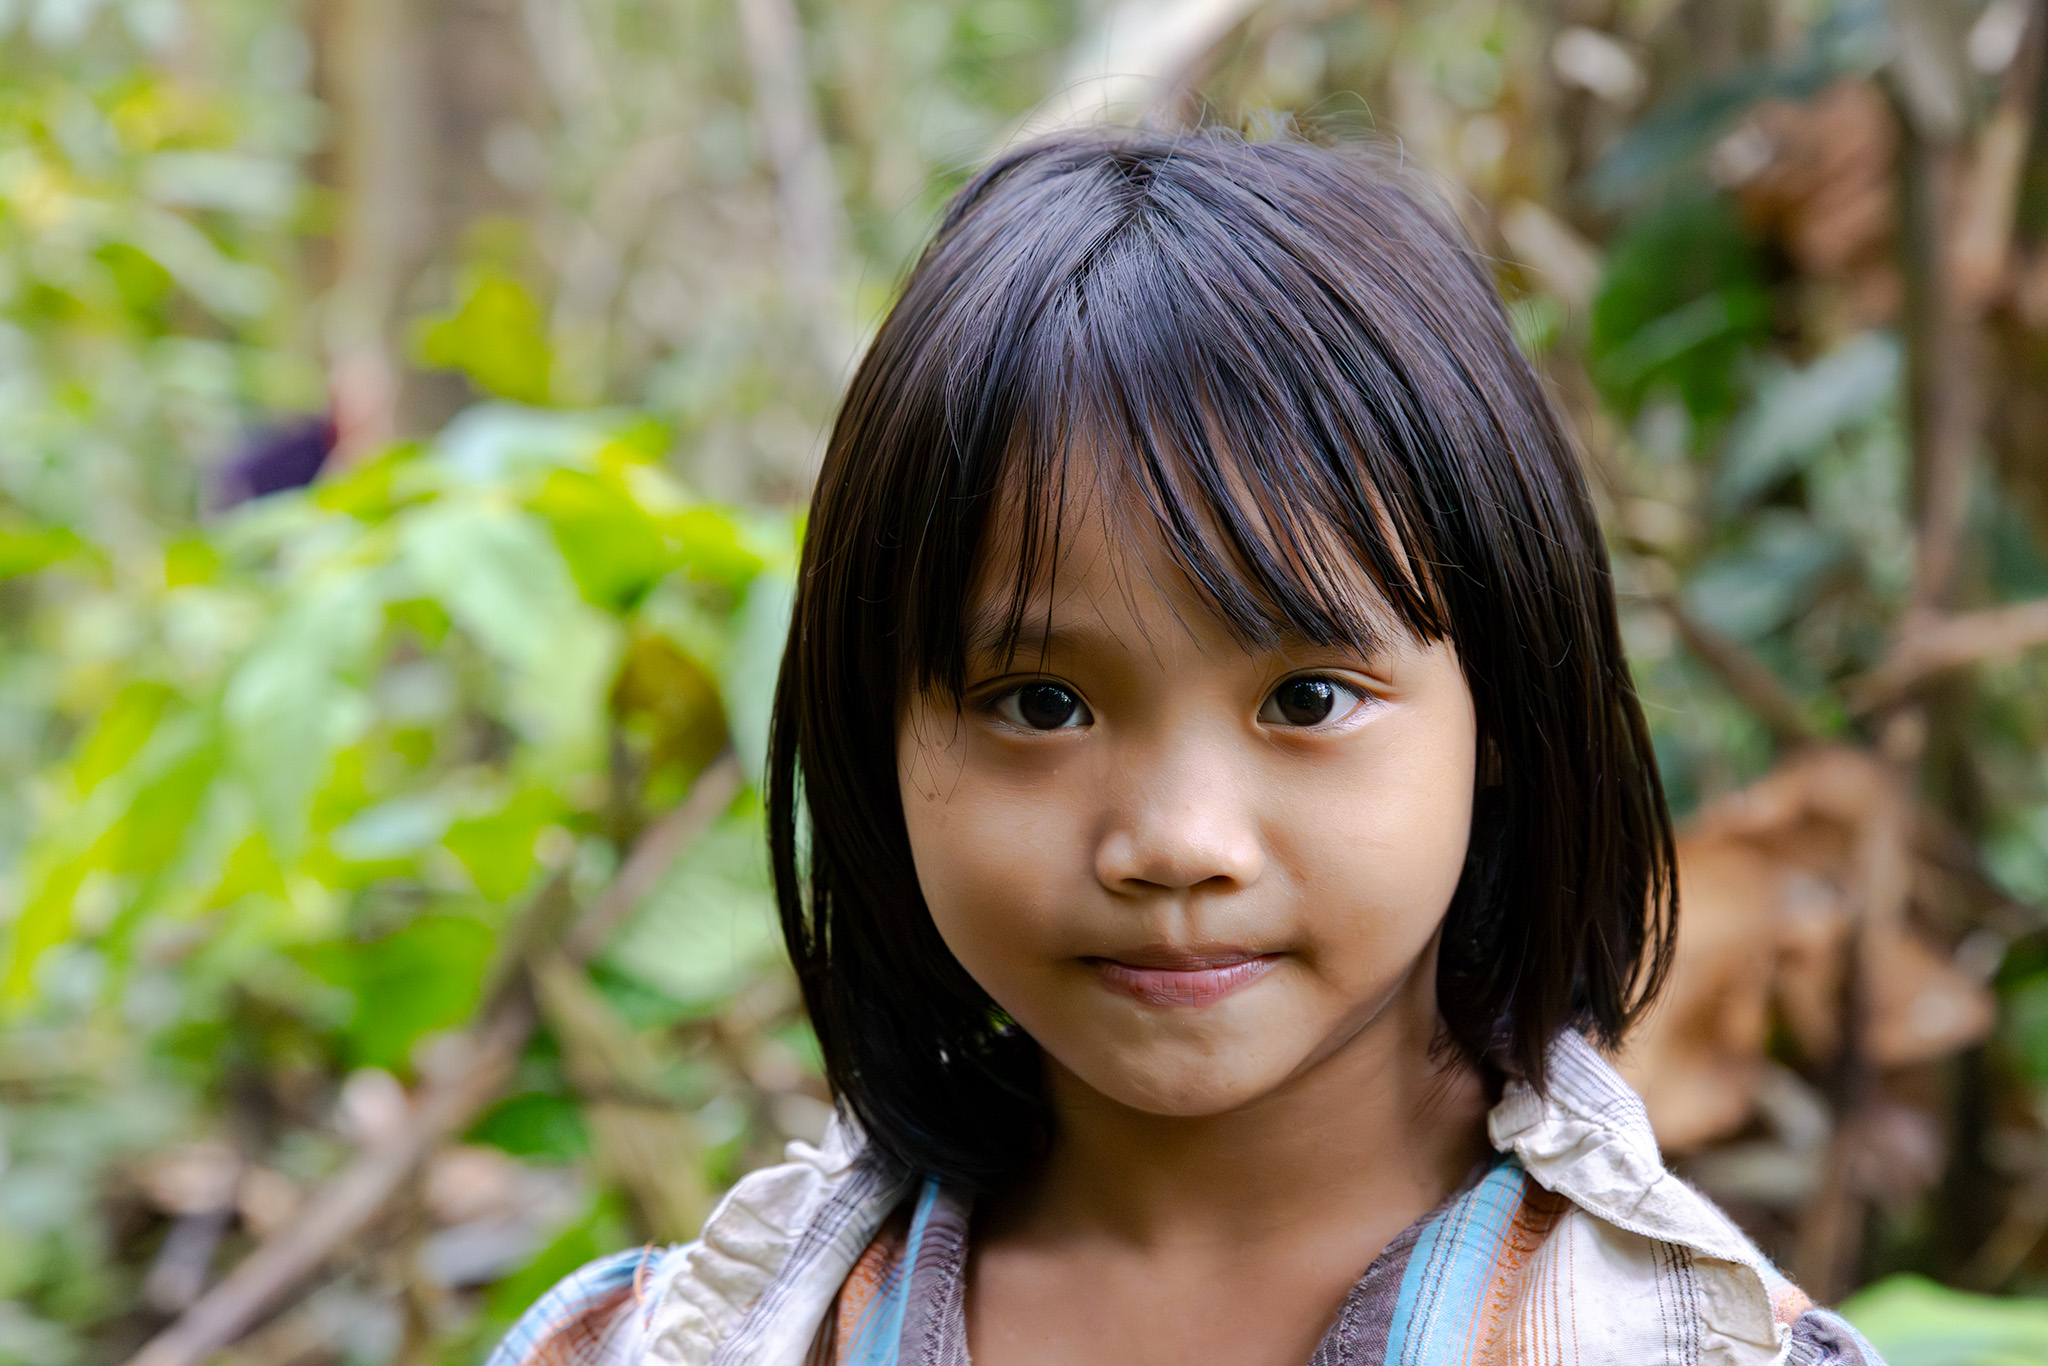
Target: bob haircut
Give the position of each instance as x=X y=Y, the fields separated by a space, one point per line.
x=1297 y=366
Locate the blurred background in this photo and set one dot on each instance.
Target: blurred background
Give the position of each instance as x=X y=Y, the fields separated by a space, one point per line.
x=405 y=411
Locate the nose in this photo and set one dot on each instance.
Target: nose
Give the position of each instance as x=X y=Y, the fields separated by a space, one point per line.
x=1184 y=822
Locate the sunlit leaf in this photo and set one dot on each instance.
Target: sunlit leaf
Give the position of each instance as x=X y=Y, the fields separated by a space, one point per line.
x=498 y=849
x=499 y=574
x=751 y=667
x=408 y=984
x=289 y=705
x=709 y=925
x=713 y=546
x=613 y=547
x=30 y=550
x=497 y=337
x=1912 y=1321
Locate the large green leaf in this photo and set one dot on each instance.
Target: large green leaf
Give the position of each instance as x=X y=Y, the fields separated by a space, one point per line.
x=1797 y=409
x=613 y=546
x=498 y=337
x=710 y=925
x=406 y=985
x=1914 y=1322
x=290 y=703
x=1682 y=297
x=499 y=574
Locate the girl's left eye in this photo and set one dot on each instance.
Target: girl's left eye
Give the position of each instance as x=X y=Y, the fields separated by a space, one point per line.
x=1042 y=706
x=1312 y=700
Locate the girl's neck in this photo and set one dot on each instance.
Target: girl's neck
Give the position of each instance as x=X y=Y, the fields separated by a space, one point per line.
x=1382 y=1127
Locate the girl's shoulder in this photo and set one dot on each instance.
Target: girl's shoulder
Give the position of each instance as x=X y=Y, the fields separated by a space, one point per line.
x=770 y=1258
x=1602 y=1247
x=1577 y=1245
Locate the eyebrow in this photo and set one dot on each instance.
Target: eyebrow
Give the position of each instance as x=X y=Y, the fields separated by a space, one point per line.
x=995 y=635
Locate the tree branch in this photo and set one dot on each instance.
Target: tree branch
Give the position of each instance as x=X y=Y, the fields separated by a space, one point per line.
x=1960 y=256
x=1934 y=645
x=1748 y=677
x=451 y=1095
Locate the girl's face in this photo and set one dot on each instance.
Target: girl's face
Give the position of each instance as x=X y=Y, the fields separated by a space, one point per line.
x=1190 y=871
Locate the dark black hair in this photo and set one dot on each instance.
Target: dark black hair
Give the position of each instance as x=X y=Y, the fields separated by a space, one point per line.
x=1299 y=363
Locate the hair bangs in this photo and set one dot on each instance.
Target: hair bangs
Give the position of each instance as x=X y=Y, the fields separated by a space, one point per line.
x=1149 y=391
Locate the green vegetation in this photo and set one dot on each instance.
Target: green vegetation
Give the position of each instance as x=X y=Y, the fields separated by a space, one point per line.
x=306 y=797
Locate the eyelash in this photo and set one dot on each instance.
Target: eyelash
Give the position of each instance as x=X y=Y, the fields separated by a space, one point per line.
x=1007 y=705
x=1359 y=699
x=1004 y=703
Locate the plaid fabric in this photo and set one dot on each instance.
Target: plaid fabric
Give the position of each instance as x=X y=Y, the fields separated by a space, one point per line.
x=868 y=1321
x=588 y=1319
x=1577 y=1248
x=1472 y=1283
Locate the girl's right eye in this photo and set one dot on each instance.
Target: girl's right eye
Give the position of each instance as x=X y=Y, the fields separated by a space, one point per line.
x=1042 y=706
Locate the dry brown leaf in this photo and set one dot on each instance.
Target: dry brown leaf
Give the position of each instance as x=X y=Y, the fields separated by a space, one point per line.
x=1820 y=183
x=1779 y=886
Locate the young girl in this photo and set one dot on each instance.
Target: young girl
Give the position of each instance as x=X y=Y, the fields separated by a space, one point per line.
x=1214 y=828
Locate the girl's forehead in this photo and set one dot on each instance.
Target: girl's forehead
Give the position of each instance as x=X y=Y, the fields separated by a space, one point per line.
x=1096 y=551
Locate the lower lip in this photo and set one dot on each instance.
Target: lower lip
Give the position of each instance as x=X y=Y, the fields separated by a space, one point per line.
x=1191 y=987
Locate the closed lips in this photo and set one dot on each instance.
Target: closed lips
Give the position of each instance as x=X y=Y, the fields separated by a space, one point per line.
x=1193 y=983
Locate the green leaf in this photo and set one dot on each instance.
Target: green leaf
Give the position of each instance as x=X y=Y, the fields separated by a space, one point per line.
x=666 y=696
x=153 y=828
x=1798 y=409
x=119 y=734
x=713 y=546
x=133 y=821
x=499 y=574
x=1914 y=1322
x=31 y=549
x=498 y=849
x=2025 y=1024
x=711 y=923
x=1682 y=296
x=535 y=1125
x=423 y=978
x=392 y=830
x=190 y=560
x=1761 y=583
x=752 y=665
x=613 y=547
x=492 y=443
x=498 y=337
x=287 y=706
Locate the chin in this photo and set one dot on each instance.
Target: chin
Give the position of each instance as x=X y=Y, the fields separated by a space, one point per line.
x=1179 y=1089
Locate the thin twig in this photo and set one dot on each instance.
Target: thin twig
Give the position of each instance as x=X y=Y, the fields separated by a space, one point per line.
x=1744 y=675
x=653 y=852
x=1934 y=645
x=345 y=1203
x=449 y=1098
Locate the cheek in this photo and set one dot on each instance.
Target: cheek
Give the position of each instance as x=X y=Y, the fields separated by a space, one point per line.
x=1388 y=848
x=993 y=857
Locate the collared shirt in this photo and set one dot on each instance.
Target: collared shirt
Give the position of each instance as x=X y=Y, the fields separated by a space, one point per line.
x=1576 y=1246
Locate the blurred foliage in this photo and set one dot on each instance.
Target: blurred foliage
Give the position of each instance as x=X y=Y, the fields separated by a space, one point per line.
x=1920 y=1323
x=281 y=778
